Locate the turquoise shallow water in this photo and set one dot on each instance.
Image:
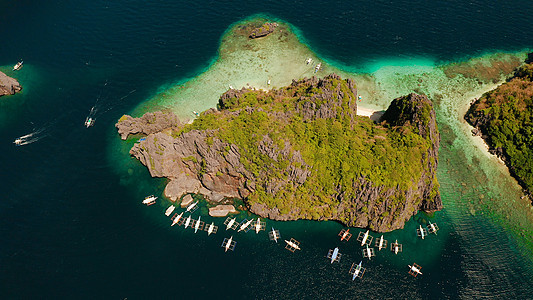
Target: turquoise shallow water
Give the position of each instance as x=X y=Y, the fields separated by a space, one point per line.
x=71 y=222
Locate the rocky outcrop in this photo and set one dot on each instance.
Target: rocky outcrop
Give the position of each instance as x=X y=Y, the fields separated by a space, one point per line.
x=202 y=161
x=8 y=85
x=264 y=30
x=147 y=124
x=222 y=210
x=418 y=110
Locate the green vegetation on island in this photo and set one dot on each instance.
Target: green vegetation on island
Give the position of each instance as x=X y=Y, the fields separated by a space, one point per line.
x=504 y=117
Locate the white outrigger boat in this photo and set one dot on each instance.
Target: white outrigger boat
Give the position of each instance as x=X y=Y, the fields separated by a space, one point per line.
x=292 y=245
x=357 y=270
x=211 y=229
x=176 y=218
x=197 y=224
x=259 y=225
x=187 y=221
x=18 y=66
x=421 y=232
x=395 y=247
x=170 y=210
x=228 y=244
x=149 y=200
x=381 y=243
x=18 y=141
x=334 y=255
x=433 y=228
x=364 y=238
x=244 y=225
x=274 y=235
x=231 y=223
x=414 y=270
x=309 y=60
x=192 y=207
x=368 y=252
x=89 y=122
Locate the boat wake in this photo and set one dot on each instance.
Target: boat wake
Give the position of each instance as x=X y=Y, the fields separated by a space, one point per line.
x=100 y=107
x=32 y=137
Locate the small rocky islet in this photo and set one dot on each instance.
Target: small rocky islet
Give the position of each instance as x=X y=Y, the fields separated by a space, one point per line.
x=8 y=85
x=299 y=152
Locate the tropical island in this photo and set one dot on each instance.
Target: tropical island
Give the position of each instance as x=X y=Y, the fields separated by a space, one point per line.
x=504 y=119
x=300 y=152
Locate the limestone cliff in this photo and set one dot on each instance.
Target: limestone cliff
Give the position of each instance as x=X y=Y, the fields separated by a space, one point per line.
x=8 y=85
x=301 y=152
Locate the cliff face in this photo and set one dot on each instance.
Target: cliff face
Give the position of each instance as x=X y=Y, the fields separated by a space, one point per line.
x=8 y=85
x=301 y=153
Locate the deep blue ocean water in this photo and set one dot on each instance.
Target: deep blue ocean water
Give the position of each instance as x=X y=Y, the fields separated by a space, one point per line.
x=71 y=226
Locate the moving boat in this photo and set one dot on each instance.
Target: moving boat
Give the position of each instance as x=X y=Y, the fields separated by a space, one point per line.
x=89 y=122
x=18 y=66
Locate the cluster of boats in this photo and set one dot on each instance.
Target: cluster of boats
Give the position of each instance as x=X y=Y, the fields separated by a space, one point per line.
x=366 y=240
x=257 y=225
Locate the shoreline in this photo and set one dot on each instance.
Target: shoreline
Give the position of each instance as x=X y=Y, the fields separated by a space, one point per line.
x=232 y=67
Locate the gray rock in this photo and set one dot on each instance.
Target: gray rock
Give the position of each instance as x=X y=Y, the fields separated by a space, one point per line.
x=186 y=200
x=8 y=85
x=222 y=210
x=147 y=124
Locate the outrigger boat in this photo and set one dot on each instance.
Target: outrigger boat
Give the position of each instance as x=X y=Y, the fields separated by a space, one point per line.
x=211 y=229
x=368 y=252
x=334 y=255
x=433 y=228
x=18 y=141
x=381 y=243
x=259 y=225
x=421 y=232
x=197 y=224
x=244 y=225
x=187 y=221
x=231 y=223
x=345 y=235
x=192 y=207
x=228 y=244
x=18 y=66
x=309 y=60
x=170 y=210
x=357 y=270
x=364 y=238
x=176 y=218
x=292 y=245
x=414 y=269
x=395 y=247
x=89 y=122
x=274 y=235
x=149 y=200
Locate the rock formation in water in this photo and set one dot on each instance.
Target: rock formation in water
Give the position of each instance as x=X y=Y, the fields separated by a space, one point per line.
x=503 y=117
x=301 y=152
x=264 y=30
x=8 y=85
